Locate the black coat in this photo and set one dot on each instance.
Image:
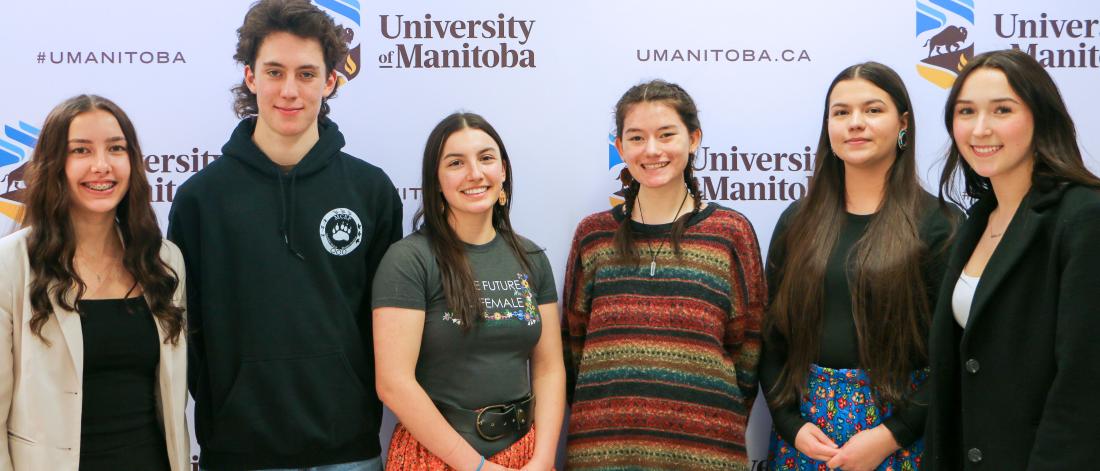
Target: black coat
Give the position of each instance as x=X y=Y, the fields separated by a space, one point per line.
x=1019 y=387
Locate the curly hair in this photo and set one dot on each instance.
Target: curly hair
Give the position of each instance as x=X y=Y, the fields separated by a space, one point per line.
x=298 y=17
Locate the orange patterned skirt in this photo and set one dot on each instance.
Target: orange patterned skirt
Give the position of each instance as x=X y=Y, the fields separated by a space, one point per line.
x=406 y=453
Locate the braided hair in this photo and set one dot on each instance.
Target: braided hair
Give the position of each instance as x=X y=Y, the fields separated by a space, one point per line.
x=678 y=99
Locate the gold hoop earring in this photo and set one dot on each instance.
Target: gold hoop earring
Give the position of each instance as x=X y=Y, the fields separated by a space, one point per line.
x=502 y=198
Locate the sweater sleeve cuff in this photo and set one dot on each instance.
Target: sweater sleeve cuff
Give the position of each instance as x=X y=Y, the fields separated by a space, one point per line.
x=901 y=432
x=787 y=422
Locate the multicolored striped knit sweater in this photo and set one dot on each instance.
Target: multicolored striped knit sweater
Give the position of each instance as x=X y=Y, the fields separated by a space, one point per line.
x=662 y=368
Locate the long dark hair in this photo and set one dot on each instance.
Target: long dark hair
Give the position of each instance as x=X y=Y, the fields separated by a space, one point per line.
x=889 y=300
x=1057 y=157
x=431 y=219
x=678 y=99
x=52 y=243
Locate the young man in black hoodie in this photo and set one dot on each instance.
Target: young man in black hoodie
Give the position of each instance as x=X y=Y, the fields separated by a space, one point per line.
x=281 y=237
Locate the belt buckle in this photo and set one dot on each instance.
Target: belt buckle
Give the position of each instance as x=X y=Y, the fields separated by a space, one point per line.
x=477 y=425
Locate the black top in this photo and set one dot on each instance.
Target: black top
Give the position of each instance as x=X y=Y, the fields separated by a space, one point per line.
x=838 y=347
x=118 y=426
x=279 y=271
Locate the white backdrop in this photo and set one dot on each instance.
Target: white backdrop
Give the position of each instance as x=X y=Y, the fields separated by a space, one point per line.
x=758 y=71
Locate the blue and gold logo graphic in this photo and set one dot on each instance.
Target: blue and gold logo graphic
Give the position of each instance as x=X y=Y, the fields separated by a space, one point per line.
x=347 y=15
x=15 y=147
x=615 y=167
x=946 y=45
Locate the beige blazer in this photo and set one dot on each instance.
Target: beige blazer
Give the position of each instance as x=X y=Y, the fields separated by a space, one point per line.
x=41 y=386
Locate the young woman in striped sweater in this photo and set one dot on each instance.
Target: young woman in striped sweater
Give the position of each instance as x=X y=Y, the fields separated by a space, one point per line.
x=663 y=299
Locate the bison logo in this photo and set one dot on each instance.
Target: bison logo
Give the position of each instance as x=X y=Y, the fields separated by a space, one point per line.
x=347 y=15
x=942 y=24
x=350 y=67
x=16 y=145
x=950 y=37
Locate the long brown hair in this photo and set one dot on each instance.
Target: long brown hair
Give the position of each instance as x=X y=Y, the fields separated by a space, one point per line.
x=678 y=99
x=431 y=219
x=51 y=243
x=1057 y=157
x=889 y=300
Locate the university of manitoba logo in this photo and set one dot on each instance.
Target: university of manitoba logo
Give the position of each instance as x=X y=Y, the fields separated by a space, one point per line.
x=15 y=148
x=341 y=231
x=946 y=42
x=347 y=16
x=615 y=167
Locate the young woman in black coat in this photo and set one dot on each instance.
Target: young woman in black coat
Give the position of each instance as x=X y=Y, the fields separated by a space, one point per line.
x=1015 y=361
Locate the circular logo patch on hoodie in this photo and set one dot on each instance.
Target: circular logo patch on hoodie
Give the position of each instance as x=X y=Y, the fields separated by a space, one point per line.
x=341 y=231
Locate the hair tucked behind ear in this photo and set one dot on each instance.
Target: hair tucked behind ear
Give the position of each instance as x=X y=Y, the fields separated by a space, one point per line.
x=678 y=99
x=431 y=219
x=889 y=301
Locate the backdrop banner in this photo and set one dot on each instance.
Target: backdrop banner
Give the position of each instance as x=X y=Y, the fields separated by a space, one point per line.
x=547 y=75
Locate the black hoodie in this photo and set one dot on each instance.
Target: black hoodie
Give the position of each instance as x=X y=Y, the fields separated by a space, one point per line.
x=279 y=269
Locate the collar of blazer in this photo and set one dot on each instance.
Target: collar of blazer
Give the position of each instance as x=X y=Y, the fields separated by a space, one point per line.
x=1036 y=206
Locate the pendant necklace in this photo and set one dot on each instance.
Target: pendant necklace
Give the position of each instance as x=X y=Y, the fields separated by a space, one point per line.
x=105 y=274
x=653 y=259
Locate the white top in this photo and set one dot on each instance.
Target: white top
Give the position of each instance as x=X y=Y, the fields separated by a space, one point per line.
x=963 y=297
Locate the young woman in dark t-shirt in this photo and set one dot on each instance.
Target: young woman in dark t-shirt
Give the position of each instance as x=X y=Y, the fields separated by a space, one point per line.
x=92 y=357
x=460 y=308
x=853 y=270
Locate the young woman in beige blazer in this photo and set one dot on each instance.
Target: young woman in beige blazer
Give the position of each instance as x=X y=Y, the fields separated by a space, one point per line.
x=92 y=350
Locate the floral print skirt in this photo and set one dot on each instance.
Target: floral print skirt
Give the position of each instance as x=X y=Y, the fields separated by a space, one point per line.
x=841 y=404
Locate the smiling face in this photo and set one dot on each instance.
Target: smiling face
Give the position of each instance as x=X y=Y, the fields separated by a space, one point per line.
x=993 y=128
x=289 y=81
x=97 y=164
x=864 y=124
x=471 y=173
x=655 y=144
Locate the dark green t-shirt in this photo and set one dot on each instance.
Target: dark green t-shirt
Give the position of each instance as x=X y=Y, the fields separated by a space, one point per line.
x=488 y=364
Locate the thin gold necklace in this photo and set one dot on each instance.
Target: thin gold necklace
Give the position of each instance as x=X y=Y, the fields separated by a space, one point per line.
x=107 y=270
x=993 y=234
x=641 y=214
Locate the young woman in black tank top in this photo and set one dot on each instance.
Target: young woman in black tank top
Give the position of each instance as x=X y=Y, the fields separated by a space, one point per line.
x=93 y=338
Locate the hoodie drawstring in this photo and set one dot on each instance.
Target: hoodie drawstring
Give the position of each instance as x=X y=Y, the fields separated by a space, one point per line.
x=287 y=228
x=290 y=227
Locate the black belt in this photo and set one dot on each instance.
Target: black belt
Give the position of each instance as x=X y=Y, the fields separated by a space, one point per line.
x=496 y=426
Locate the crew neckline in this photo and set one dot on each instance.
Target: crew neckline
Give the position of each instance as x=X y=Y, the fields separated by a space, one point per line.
x=662 y=228
x=481 y=248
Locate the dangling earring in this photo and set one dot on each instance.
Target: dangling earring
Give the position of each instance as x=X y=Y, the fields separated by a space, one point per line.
x=502 y=199
x=902 y=140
